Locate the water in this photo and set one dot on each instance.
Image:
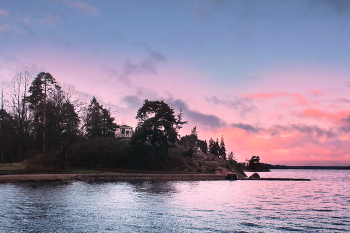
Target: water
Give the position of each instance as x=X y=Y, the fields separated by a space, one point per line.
x=320 y=205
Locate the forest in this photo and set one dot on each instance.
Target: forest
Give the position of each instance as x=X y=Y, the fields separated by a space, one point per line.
x=49 y=127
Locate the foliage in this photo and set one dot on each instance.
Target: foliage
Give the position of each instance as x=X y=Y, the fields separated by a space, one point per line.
x=192 y=142
x=222 y=152
x=49 y=162
x=214 y=147
x=41 y=125
x=158 y=128
x=231 y=156
x=203 y=145
x=254 y=162
x=98 y=121
x=100 y=152
x=6 y=133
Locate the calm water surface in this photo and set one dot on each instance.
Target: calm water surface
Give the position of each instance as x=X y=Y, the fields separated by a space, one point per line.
x=320 y=205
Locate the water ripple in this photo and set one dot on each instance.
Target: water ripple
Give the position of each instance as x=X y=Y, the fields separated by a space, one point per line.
x=320 y=205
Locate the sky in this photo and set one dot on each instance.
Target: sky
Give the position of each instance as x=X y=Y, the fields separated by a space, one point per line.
x=272 y=77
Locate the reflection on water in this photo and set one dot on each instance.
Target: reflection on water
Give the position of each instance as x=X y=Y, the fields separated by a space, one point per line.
x=320 y=205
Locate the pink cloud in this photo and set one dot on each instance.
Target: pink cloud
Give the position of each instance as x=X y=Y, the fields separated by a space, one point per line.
x=342 y=100
x=316 y=93
x=297 y=98
x=263 y=96
x=335 y=117
x=292 y=149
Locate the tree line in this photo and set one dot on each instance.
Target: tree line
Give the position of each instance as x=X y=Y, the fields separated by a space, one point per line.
x=46 y=124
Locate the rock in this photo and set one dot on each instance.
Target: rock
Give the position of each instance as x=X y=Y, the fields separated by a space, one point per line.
x=231 y=177
x=254 y=176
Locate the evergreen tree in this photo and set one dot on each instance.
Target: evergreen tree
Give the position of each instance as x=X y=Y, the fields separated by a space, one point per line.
x=231 y=156
x=222 y=152
x=40 y=90
x=214 y=147
x=157 y=126
x=98 y=121
x=190 y=141
x=211 y=145
x=93 y=119
x=108 y=125
x=203 y=145
x=6 y=133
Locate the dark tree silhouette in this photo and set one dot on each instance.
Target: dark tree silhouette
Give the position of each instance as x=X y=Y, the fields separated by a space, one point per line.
x=157 y=126
x=40 y=90
x=214 y=147
x=6 y=133
x=222 y=152
x=20 y=111
x=98 y=121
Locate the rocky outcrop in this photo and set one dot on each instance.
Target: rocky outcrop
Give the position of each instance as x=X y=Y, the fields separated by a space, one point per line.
x=208 y=163
x=254 y=176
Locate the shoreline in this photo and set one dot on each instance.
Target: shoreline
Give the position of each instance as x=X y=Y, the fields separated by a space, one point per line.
x=114 y=177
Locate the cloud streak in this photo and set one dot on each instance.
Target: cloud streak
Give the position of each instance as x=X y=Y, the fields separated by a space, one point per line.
x=205 y=121
x=82 y=6
x=242 y=105
x=297 y=98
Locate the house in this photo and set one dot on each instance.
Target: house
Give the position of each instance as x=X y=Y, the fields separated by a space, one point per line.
x=124 y=131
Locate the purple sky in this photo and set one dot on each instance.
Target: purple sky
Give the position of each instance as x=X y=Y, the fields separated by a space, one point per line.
x=271 y=76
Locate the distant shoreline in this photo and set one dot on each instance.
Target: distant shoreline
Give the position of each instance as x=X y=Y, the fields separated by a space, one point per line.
x=115 y=177
x=108 y=177
x=311 y=167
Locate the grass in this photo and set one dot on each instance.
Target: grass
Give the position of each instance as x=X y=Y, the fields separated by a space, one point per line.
x=76 y=170
x=11 y=166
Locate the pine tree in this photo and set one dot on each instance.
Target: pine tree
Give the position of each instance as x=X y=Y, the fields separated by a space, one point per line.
x=158 y=127
x=216 y=148
x=222 y=152
x=98 y=121
x=211 y=145
x=6 y=132
x=108 y=125
x=41 y=89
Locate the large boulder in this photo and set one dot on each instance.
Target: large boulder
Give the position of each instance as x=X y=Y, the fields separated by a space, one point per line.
x=254 y=176
x=231 y=177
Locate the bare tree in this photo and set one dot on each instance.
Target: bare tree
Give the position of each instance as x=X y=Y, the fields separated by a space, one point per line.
x=19 y=108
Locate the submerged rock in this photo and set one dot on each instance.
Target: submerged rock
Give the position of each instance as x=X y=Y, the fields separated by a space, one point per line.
x=254 y=176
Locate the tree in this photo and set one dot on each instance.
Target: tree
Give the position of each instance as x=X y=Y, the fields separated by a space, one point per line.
x=231 y=156
x=254 y=163
x=211 y=145
x=203 y=145
x=214 y=147
x=98 y=121
x=41 y=88
x=69 y=129
x=62 y=124
x=222 y=151
x=108 y=125
x=6 y=132
x=190 y=141
x=20 y=111
x=157 y=126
